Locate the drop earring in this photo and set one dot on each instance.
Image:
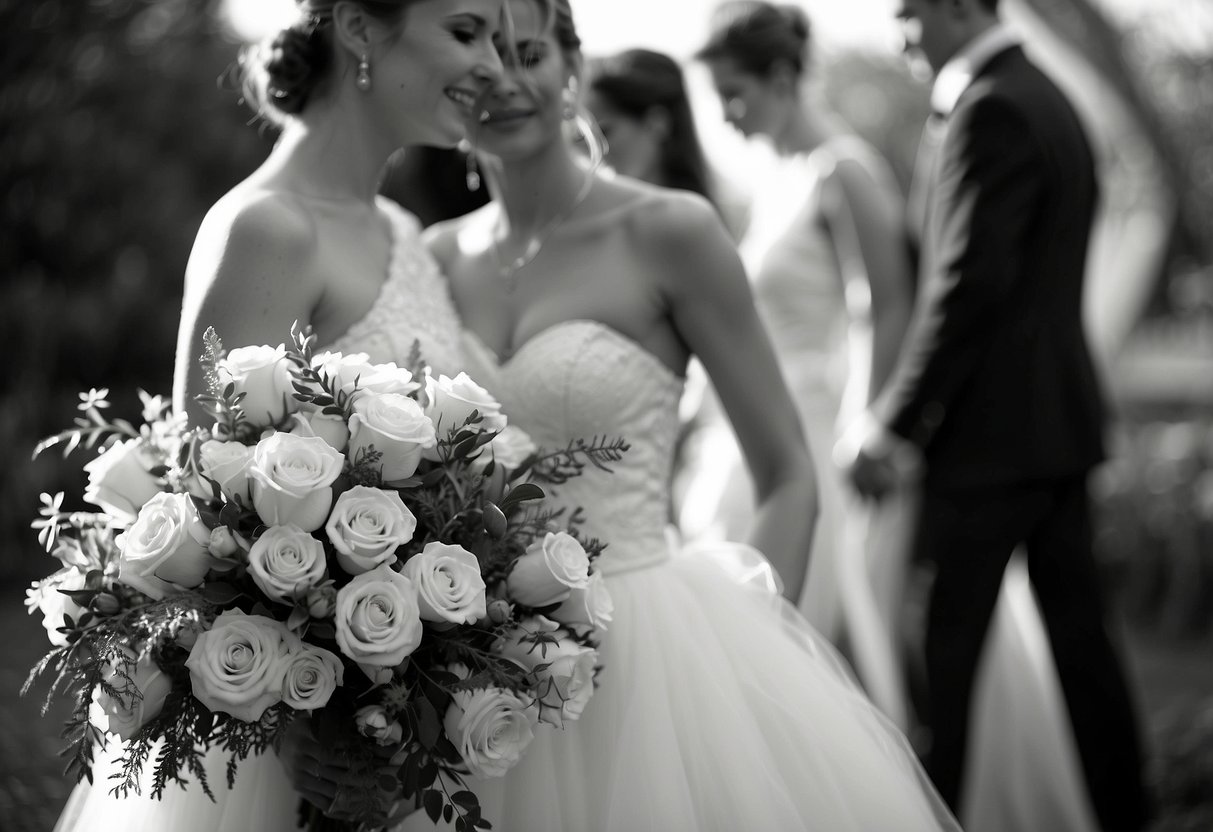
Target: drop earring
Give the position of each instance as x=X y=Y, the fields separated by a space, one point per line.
x=568 y=100
x=473 y=174
x=363 y=80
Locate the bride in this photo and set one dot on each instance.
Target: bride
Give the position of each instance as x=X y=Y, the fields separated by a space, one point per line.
x=719 y=707
x=305 y=239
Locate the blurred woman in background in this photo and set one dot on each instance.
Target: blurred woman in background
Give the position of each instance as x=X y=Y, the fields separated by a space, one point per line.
x=640 y=102
x=825 y=250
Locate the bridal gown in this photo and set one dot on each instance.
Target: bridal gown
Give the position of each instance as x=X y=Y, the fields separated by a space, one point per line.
x=719 y=708
x=413 y=304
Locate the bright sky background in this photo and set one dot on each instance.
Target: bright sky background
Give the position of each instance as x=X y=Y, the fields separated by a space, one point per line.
x=679 y=26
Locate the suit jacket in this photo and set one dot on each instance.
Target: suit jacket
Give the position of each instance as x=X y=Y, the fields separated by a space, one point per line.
x=996 y=382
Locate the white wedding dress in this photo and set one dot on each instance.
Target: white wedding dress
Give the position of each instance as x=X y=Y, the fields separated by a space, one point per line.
x=719 y=707
x=413 y=304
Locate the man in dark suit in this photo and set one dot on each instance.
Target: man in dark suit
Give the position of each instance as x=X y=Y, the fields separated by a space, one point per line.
x=997 y=396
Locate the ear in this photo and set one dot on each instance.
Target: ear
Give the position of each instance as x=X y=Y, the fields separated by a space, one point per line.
x=783 y=78
x=353 y=28
x=657 y=121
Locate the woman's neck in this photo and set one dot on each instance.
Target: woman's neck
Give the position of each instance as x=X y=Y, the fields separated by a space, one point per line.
x=803 y=131
x=531 y=192
x=327 y=156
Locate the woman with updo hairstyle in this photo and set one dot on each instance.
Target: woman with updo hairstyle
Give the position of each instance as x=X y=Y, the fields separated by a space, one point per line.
x=640 y=102
x=306 y=239
x=826 y=254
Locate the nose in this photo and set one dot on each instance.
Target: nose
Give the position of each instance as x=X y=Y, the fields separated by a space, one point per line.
x=489 y=68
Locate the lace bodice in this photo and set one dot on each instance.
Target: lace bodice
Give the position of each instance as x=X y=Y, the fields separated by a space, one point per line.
x=414 y=303
x=582 y=379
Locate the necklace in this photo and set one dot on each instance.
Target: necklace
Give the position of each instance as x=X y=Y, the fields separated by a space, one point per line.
x=509 y=271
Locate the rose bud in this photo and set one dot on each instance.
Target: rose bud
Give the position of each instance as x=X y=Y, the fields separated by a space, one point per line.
x=105 y=604
x=321 y=601
x=499 y=611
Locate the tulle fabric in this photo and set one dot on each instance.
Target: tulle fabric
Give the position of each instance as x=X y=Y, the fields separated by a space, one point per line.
x=719 y=708
x=262 y=800
x=1023 y=773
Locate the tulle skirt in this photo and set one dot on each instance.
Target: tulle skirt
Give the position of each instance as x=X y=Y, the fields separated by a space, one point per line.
x=262 y=800
x=719 y=709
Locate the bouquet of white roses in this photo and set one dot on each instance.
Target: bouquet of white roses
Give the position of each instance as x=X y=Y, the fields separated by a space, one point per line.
x=360 y=544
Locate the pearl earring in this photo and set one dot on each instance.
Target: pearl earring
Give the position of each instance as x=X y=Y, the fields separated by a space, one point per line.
x=363 y=79
x=568 y=100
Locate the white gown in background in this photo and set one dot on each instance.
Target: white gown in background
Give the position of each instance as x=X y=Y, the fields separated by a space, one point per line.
x=799 y=292
x=719 y=708
x=414 y=303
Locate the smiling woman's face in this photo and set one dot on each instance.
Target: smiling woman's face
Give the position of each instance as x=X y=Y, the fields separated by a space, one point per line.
x=524 y=109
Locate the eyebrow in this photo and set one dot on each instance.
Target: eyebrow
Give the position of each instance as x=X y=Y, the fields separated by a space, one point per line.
x=464 y=17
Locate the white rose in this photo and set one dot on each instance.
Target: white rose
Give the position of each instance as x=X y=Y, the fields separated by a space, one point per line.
x=45 y=597
x=397 y=427
x=508 y=449
x=388 y=378
x=343 y=369
x=452 y=401
x=312 y=674
x=590 y=607
x=263 y=374
x=293 y=480
x=330 y=427
x=449 y=584
x=140 y=698
x=378 y=622
x=566 y=684
x=168 y=546
x=119 y=482
x=227 y=463
x=490 y=727
x=237 y=667
x=286 y=562
x=374 y=723
x=566 y=681
x=366 y=527
x=549 y=570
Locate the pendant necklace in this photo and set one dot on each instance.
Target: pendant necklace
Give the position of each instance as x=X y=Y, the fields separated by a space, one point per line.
x=509 y=271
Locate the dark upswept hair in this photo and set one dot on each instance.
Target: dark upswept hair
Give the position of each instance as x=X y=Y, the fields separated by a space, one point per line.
x=758 y=35
x=636 y=81
x=280 y=74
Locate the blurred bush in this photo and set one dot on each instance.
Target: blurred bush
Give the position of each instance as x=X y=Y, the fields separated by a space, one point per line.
x=115 y=138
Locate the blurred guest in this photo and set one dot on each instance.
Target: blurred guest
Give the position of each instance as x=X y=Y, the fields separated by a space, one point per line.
x=995 y=392
x=826 y=253
x=640 y=103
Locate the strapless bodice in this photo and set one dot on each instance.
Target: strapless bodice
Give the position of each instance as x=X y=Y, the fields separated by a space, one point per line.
x=581 y=379
x=414 y=304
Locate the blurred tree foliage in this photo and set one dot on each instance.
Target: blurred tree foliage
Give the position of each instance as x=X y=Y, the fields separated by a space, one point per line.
x=115 y=138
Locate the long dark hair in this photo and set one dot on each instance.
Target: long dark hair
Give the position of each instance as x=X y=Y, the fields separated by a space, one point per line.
x=636 y=81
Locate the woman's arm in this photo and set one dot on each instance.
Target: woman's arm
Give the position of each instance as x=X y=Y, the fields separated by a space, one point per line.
x=713 y=311
x=248 y=278
x=867 y=226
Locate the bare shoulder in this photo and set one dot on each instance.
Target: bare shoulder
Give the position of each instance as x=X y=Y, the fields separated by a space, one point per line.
x=253 y=236
x=665 y=221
